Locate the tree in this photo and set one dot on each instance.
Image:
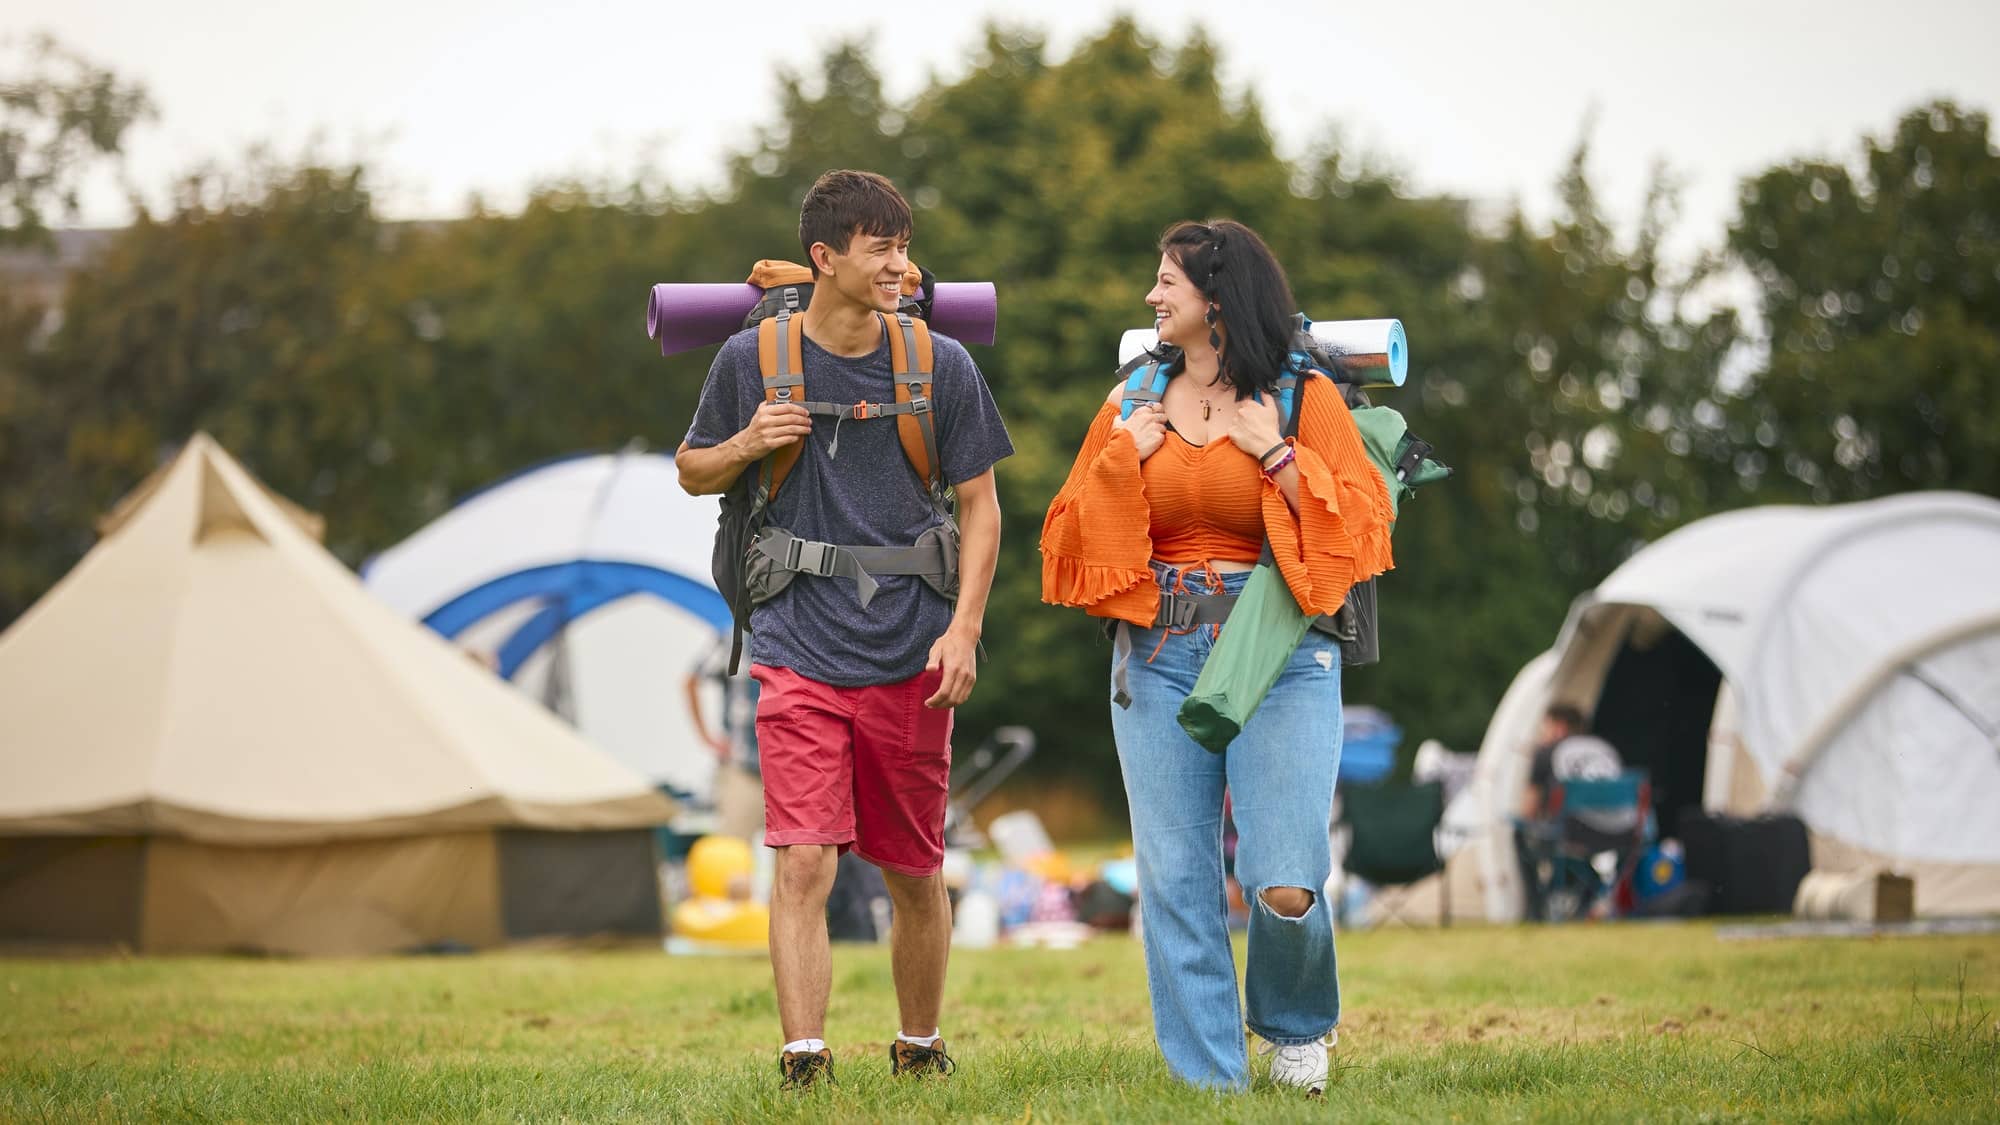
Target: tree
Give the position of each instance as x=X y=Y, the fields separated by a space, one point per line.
x=58 y=113
x=375 y=371
x=1881 y=305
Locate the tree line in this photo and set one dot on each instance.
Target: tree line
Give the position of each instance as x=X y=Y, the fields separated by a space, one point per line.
x=1588 y=393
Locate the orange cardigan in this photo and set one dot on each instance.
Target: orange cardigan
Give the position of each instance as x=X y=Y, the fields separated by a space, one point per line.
x=1097 y=541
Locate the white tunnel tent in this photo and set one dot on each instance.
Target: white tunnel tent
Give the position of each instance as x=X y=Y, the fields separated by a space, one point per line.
x=1841 y=663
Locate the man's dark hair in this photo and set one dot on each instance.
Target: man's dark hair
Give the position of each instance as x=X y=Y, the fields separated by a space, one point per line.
x=1571 y=717
x=844 y=203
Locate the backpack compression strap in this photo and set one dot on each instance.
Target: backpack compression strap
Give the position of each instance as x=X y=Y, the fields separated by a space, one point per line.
x=911 y=359
x=780 y=356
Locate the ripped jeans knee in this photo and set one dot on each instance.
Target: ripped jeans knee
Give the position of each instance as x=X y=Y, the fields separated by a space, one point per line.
x=1289 y=903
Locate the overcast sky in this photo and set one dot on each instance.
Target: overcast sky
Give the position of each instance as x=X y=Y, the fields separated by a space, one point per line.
x=446 y=97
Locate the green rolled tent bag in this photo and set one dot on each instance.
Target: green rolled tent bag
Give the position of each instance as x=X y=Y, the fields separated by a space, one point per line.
x=1267 y=624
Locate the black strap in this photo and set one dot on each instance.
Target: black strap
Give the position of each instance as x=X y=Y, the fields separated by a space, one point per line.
x=1185 y=611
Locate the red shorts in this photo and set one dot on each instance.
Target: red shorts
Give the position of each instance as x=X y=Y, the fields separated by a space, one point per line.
x=866 y=767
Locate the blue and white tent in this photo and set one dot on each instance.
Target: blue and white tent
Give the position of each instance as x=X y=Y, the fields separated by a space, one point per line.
x=586 y=583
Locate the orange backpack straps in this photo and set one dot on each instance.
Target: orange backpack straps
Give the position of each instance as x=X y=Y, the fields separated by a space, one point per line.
x=780 y=356
x=910 y=361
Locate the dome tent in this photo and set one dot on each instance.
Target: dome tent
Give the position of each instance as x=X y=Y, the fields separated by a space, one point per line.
x=586 y=581
x=1841 y=663
x=215 y=739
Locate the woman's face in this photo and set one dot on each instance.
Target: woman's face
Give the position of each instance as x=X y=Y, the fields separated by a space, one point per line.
x=1179 y=310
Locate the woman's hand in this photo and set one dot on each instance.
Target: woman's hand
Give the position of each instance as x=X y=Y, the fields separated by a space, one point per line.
x=1148 y=427
x=1255 y=427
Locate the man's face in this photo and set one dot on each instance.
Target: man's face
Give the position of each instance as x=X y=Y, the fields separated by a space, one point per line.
x=870 y=271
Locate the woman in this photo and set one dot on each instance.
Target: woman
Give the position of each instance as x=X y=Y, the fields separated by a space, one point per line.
x=1178 y=500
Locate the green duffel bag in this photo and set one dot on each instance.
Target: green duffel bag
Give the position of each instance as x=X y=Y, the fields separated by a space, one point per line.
x=1265 y=628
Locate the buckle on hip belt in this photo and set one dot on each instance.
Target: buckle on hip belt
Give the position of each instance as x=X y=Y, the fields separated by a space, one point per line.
x=808 y=557
x=1177 y=612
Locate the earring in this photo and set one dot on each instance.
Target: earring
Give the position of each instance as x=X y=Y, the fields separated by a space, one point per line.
x=1214 y=339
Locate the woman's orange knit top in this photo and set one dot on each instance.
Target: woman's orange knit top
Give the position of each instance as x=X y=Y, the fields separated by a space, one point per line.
x=1210 y=503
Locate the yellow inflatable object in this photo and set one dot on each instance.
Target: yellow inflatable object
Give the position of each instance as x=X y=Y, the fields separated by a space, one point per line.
x=722 y=924
x=1050 y=867
x=719 y=867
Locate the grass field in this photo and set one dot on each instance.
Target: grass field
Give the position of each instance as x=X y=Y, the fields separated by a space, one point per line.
x=1591 y=1023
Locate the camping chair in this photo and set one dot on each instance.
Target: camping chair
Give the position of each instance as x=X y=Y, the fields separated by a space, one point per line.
x=975 y=776
x=1574 y=885
x=1393 y=840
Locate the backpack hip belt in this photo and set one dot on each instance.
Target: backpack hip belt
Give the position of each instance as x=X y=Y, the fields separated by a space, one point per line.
x=933 y=558
x=1185 y=611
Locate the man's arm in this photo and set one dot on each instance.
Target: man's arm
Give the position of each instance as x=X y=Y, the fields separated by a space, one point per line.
x=711 y=470
x=715 y=741
x=978 y=551
x=1531 y=801
x=1541 y=777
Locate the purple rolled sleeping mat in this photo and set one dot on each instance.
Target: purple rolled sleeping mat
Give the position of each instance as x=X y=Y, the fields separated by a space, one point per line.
x=693 y=315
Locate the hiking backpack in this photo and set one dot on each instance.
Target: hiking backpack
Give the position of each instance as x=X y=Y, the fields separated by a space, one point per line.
x=754 y=561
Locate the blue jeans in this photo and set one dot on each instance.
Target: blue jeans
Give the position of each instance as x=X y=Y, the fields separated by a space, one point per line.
x=1279 y=772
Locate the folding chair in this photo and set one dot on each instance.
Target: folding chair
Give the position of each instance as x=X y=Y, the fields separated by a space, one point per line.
x=1574 y=885
x=1393 y=840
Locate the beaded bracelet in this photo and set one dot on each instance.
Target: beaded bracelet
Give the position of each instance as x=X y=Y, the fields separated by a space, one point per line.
x=1274 y=470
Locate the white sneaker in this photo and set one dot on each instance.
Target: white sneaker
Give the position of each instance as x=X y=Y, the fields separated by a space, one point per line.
x=1301 y=1064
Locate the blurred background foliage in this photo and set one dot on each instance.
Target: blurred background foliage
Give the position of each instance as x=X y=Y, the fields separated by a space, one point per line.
x=1590 y=395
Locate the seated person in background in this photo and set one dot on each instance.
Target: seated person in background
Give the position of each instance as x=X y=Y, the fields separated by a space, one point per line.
x=1566 y=751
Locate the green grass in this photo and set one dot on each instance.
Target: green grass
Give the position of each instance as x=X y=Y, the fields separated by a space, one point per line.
x=1603 y=1023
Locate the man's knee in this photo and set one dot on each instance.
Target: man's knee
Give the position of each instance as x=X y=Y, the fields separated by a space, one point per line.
x=914 y=891
x=805 y=871
x=1290 y=902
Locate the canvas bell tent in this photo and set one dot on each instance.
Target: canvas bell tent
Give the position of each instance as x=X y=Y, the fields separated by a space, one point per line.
x=1839 y=663
x=586 y=583
x=215 y=739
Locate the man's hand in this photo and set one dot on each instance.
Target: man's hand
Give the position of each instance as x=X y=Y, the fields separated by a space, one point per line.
x=774 y=426
x=955 y=653
x=711 y=470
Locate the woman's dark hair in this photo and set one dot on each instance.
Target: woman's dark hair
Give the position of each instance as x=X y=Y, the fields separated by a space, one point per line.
x=1229 y=265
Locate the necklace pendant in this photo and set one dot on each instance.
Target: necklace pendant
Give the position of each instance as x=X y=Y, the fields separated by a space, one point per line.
x=1204 y=410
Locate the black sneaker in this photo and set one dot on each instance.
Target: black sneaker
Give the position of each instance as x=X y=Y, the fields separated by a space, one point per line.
x=803 y=1068
x=906 y=1057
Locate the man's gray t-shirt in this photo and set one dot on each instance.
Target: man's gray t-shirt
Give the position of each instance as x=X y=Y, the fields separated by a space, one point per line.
x=865 y=494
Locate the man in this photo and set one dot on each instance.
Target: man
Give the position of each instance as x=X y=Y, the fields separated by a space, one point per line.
x=738 y=790
x=854 y=720
x=1565 y=751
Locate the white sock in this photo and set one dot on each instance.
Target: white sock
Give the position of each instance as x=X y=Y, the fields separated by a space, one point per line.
x=920 y=1040
x=805 y=1045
